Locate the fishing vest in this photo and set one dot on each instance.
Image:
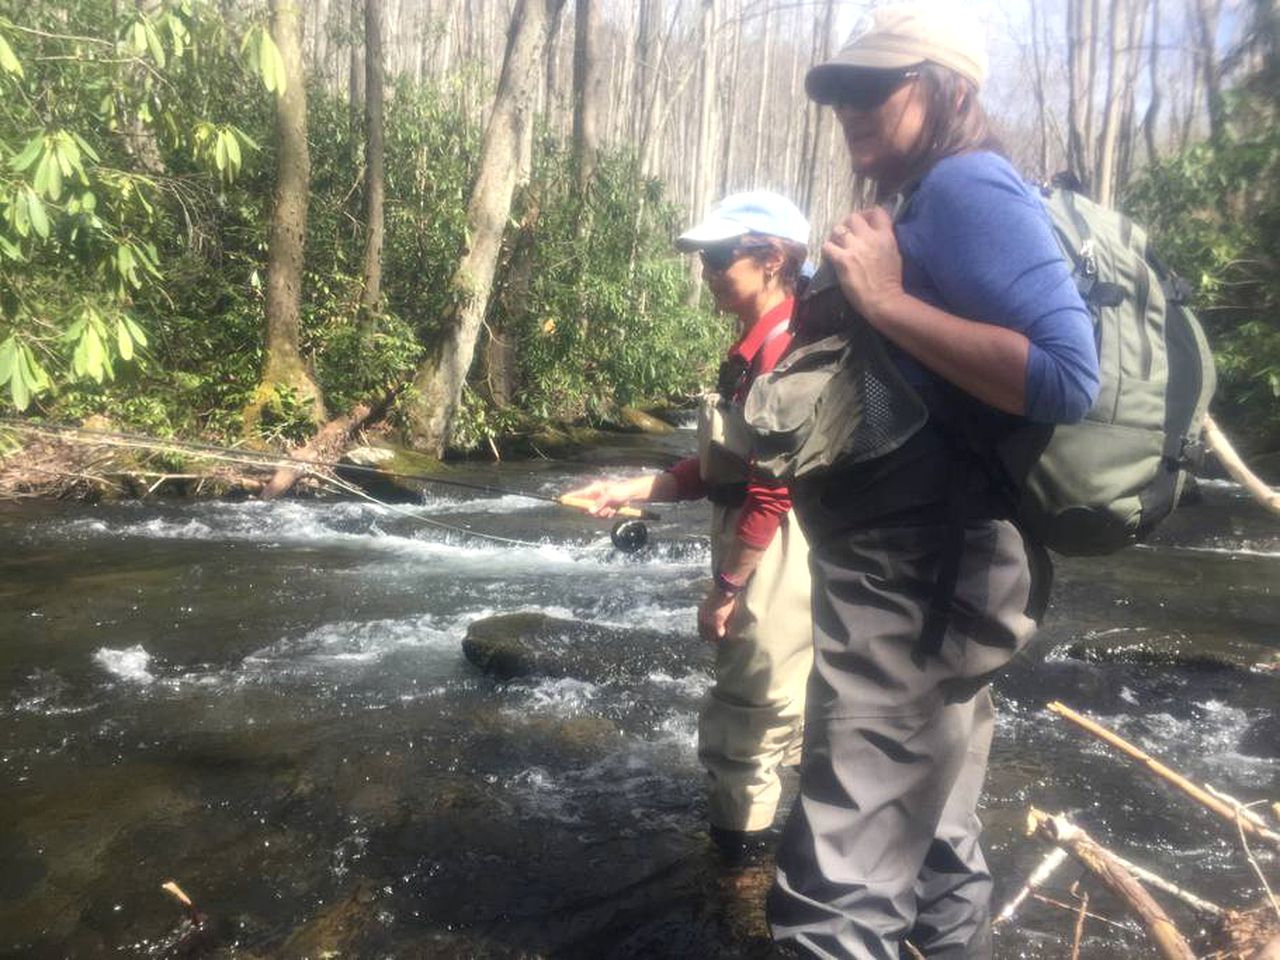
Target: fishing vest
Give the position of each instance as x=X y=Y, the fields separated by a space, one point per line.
x=836 y=399
x=725 y=444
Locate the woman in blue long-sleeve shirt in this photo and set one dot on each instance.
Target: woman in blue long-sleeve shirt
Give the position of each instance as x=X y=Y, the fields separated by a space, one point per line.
x=922 y=586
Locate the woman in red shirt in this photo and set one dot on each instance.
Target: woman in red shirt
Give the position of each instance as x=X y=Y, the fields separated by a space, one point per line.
x=757 y=610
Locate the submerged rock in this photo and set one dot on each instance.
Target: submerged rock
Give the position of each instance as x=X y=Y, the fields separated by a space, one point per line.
x=1200 y=651
x=534 y=644
x=1262 y=739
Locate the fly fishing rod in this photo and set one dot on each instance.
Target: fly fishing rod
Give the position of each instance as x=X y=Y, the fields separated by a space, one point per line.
x=628 y=535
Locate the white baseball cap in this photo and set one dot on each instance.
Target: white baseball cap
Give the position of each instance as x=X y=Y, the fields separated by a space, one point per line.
x=753 y=211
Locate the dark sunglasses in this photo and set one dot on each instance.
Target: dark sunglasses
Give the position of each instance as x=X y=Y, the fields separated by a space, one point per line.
x=721 y=258
x=871 y=89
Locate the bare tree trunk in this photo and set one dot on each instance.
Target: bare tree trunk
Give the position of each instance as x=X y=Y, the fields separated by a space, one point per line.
x=704 y=169
x=766 y=57
x=441 y=376
x=285 y=366
x=730 y=98
x=1080 y=16
x=1151 y=119
x=355 y=74
x=588 y=87
x=374 y=159
x=1104 y=172
x=822 y=51
x=1208 y=13
x=1042 y=106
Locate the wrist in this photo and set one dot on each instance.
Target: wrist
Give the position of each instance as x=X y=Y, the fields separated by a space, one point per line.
x=729 y=585
x=884 y=309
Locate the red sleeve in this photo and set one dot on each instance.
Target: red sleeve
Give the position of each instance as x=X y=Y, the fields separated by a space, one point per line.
x=767 y=502
x=689 y=485
x=762 y=512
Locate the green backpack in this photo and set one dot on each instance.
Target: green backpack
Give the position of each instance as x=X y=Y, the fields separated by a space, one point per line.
x=1090 y=488
x=1087 y=488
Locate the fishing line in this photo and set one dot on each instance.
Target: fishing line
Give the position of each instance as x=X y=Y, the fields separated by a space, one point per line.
x=628 y=535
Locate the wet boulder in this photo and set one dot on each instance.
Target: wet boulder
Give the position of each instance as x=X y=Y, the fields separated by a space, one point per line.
x=388 y=472
x=1200 y=651
x=637 y=421
x=533 y=644
x=1262 y=738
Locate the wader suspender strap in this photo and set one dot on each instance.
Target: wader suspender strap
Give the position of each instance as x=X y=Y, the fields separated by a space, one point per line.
x=938 y=615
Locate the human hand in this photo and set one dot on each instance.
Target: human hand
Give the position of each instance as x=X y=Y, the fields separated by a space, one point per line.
x=602 y=498
x=714 y=614
x=864 y=254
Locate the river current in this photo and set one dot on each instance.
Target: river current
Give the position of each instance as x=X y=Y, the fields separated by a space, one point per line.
x=269 y=704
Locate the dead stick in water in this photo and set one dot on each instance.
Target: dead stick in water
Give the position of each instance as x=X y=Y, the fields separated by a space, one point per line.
x=1079 y=932
x=1205 y=799
x=1050 y=902
x=1160 y=883
x=1100 y=862
x=1220 y=445
x=1039 y=876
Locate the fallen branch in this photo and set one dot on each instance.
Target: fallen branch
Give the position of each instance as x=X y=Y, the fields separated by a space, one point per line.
x=1203 y=797
x=1102 y=863
x=328 y=444
x=1079 y=931
x=1039 y=876
x=1221 y=446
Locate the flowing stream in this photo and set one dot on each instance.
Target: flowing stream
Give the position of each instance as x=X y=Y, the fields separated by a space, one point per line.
x=269 y=704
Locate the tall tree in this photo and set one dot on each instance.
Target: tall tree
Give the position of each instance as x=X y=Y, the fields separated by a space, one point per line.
x=588 y=89
x=442 y=375
x=285 y=366
x=374 y=159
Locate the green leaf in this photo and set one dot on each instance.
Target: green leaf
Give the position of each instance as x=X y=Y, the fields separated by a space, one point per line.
x=9 y=63
x=271 y=64
x=8 y=359
x=138 y=36
x=37 y=379
x=233 y=150
x=123 y=341
x=19 y=390
x=29 y=154
x=95 y=353
x=85 y=147
x=35 y=209
x=154 y=44
x=136 y=333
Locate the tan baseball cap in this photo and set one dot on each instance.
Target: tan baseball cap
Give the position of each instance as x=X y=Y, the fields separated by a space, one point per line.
x=904 y=35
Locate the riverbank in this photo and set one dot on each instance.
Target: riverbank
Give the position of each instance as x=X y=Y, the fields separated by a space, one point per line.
x=99 y=462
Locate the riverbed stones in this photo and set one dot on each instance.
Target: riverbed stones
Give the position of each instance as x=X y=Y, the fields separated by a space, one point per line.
x=514 y=645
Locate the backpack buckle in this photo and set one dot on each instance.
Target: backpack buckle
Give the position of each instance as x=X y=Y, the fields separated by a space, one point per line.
x=1192 y=453
x=1088 y=259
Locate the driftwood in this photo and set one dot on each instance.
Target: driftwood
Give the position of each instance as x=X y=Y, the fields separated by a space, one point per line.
x=1221 y=446
x=1103 y=865
x=328 y=444
x=1206 y=799
x=1039 y=876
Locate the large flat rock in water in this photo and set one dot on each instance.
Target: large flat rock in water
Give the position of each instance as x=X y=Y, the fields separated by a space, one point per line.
x=514 y=645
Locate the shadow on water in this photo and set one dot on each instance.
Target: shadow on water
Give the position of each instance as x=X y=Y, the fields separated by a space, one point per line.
x=269 y=704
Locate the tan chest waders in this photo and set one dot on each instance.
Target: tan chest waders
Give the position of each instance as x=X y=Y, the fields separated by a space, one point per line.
x=752 y=719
